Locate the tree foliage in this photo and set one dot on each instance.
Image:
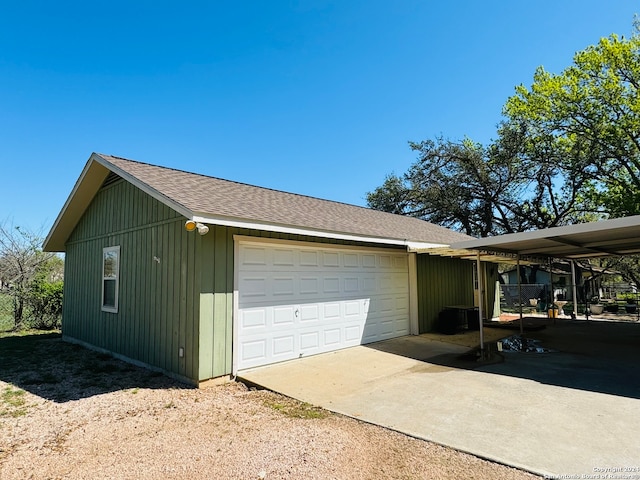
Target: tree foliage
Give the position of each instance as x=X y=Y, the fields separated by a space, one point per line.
x=505 y=187
x=590 y=113
x=31 y=277
x=567 y=151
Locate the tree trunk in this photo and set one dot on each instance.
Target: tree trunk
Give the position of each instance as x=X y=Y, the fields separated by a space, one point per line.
x=18 y=312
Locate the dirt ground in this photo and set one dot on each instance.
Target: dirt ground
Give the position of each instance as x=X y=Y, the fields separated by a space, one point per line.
x=70 y=413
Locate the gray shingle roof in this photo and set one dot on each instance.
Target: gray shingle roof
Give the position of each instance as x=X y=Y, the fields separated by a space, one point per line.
x=214 y=197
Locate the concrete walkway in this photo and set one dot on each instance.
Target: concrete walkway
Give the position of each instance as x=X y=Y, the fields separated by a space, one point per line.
x=572 y=412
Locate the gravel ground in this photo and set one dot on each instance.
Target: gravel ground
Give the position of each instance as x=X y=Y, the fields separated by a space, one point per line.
x=69 y=413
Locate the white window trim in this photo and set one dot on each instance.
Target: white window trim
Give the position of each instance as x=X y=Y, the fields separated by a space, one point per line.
x=108 y=308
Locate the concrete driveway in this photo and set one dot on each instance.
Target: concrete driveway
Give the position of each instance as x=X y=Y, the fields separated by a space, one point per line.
x=573 y=411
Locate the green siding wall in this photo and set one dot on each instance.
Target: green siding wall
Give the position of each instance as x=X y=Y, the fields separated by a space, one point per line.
x=159 y=278
x=442 y=281
x=216 y=303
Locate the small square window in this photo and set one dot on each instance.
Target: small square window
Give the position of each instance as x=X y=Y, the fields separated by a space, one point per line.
x=110 y=278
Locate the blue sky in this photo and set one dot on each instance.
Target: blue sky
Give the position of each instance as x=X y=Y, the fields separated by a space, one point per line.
x=312 y=97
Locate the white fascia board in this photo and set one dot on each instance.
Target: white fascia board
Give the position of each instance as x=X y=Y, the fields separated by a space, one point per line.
x=421 y=247
x=253 y=225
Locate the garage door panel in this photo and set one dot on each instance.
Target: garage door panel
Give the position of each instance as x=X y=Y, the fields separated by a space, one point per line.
x=369 y=260
x=351 y=285
x=253 y=318
x=283 y=286
x=309 y=313
x=385 y=261
x=400 y=263
x=309 y=258
x=387 y=327
x=352 y=308
x=351 y=260
x=253 y=287
x=309 y=341
x=402 y=304
x=370 y=333
x=353 y=333
x=253 y=256
x=330 y=259
x=310 y=286
x=332 y=337
x=301 y=300
x=331 y=310
x=283 y=345
x=330 y=285
x=284 y=315
x=284 y=257
x=369 y=285
x=253 y=352
x=400 y=327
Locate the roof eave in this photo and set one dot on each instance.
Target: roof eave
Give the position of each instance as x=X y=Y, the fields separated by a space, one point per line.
x=91 y=179
x=296 y=230
x=86 y=187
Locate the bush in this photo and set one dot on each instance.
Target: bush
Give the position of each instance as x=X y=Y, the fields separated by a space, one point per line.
x=45 y=305
x=630 y=297
x=6 y=312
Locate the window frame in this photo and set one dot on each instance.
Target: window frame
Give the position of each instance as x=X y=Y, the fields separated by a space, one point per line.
x=109 y=250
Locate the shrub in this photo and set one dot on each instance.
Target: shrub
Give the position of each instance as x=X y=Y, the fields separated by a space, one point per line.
x=45 y=304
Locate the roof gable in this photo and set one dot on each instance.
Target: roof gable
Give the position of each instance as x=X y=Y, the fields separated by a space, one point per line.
x=223 y=202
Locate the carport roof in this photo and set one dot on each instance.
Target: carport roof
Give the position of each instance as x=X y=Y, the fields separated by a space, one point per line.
x=620 y=236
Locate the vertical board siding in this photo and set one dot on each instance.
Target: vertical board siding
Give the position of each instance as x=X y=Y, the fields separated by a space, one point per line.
x=216 y=299
x=159 y=280
x=442 y=281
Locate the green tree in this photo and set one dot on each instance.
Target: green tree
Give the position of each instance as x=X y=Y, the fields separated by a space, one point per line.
x=568 y=151
x=25 y=268
x=590 y=113
x=505 y=187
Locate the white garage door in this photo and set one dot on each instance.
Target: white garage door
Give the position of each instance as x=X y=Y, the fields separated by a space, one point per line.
x=296 y=300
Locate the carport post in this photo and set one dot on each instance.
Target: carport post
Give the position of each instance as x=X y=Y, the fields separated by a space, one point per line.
x=519 y=293
x=575 y=289
x=480 y=302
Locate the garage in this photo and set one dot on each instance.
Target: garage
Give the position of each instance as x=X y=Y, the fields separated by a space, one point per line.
x=218 y=275
x=296 y=299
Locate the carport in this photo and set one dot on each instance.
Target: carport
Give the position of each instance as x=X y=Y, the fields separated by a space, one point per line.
x=617 y=237
x=553 y=416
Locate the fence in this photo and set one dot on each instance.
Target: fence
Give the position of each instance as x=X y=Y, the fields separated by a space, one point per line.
x=542 y=297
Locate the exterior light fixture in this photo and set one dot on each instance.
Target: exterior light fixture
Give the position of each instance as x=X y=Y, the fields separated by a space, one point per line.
x=191 y=225
x=202 y=229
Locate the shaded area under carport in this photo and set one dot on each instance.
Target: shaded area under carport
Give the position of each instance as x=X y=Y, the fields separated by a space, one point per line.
x=562 y=413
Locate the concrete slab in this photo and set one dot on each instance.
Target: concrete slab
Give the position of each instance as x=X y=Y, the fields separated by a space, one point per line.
x=572 y=412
